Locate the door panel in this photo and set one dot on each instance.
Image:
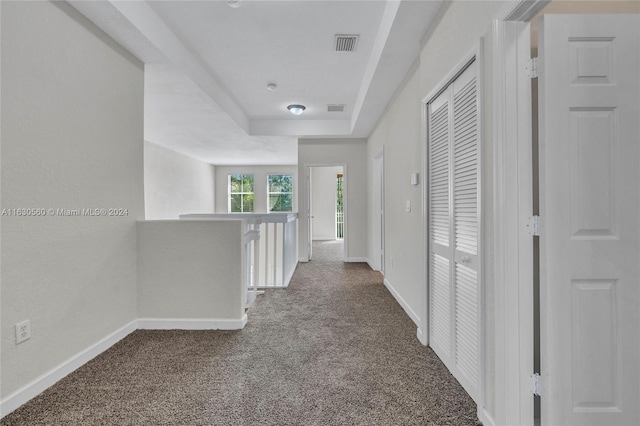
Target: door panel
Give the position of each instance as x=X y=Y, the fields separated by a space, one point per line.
x=453 y=228
x=589 y=201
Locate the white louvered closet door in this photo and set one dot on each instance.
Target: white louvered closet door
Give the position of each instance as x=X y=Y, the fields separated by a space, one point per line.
x=453 y=228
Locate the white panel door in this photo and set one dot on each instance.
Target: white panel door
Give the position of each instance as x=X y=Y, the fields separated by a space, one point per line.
x=454 y=293
x=590 y=218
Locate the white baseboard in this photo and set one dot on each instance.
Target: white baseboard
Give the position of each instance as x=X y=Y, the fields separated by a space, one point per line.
x=414 y=317
x=357 y=259
x=290 y=275
x=191 y=324
x=485 y=418
x=422 y=337
x=40 y=384
x=370 y=263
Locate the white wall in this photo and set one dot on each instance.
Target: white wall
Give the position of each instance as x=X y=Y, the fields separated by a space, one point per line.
x=259 y=185
x=353 y=153
x=458 y=27
x=190 y=269
x=400 y=134
x=72 y=137
x=324 y=195
x=175 y=184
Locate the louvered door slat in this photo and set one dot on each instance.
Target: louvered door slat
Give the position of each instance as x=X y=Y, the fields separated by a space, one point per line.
x=465 y=167
x=453 y=216
x=439 y=175
x=439 y=303
x=466 y=323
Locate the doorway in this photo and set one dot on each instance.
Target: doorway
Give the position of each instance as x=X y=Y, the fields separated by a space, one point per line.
x=454 y=255
x=327 y=210
x=571 y=392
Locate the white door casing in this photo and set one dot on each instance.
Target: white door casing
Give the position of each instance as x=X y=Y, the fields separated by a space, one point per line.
x=377 y=244
x=589 y=95
x=345 y=203
x=309 y=214
x=453 y=227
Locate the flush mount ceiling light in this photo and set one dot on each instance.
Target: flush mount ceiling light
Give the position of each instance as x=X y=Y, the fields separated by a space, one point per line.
x=234 y=3
x=296 y=109
x=271 y=87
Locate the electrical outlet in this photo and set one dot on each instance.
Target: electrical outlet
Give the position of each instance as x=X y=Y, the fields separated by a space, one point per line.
x=23 y=331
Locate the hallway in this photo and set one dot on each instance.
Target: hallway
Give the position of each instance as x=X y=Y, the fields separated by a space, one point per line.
x=334 y=348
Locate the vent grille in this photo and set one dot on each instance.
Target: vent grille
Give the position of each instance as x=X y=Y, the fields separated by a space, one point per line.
x=347 y=42
x=335 y=108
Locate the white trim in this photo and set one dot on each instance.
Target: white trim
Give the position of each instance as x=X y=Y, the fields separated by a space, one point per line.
x=42 y=383
x=485 y=418
x=476 y=54
x=414 y=317
x=459 y=68
x=229 y=193
x=293 y=192
x=482 y=280
x=424 y=324
x=357 y=260
x=379 y=251
x=422 y=337
x=191 y=324
x=286 y=283
x=372 y=266
x=511 y=164
x=45 y=381
x=345 y=207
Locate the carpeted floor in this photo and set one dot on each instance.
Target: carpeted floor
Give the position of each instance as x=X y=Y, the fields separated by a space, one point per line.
x=334 y=348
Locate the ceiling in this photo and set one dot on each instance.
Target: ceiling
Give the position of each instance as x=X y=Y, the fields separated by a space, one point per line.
x=207 y=67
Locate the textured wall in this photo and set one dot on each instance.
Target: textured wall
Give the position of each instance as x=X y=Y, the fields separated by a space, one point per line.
x=190 y=269
x=72 y=138
x=400 y=134
x=353 y=153
x=459 y=26
x=175 y=184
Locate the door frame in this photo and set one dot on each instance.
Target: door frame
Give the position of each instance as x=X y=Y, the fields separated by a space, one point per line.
x=475 y=54
x=512 y=206
x=378 y=250
x=307 y=172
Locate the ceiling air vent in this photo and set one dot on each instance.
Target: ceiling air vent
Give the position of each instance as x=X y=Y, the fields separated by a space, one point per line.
x=347 y=42
x=335 y=108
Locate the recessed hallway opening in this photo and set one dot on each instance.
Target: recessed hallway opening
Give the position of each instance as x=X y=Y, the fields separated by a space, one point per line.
x=334 y=348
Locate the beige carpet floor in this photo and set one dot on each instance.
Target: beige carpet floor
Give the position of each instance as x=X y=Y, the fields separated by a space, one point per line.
x=334 y=348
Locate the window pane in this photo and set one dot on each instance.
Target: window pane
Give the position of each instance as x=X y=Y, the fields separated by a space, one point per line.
x=287 y=183
x=236 y=183
x=280 y=202
x=280 y=183
x=247 y=183
x=236 y=203
x=274 y=183
x=248 y=203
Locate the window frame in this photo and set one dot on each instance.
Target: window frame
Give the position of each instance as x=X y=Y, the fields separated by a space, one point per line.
x=242 y=193
x=269 y=193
